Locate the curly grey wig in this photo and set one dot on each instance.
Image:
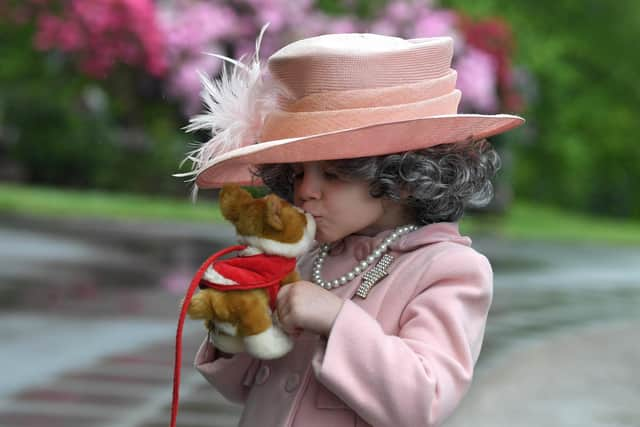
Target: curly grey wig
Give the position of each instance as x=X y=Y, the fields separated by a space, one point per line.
x=437 y=183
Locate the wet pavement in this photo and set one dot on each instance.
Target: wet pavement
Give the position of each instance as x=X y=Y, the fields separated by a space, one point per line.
x=87 y=324
x=88 y=312
x=563 y=338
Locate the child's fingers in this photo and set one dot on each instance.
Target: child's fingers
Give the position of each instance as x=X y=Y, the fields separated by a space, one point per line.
x=283 y=295
x=286 y=324
x=285 y=317
x=283 y=302
x=282 y=310
x=289 y=308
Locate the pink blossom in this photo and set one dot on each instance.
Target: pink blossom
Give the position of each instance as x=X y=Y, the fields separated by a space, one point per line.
x=103 y=33
x=185 y=85
x=246 y=47
x=477 y=80
x=280 y=14
x=400 y=11
x=435 y=23
x=48 y=26
x=385 y=27
x=168 y=38
x=317 y=23
x=272 y=13
x=197 y=27
x=342 y=25
x=194 y=27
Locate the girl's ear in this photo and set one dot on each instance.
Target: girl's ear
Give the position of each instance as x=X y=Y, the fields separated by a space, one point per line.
x=273 y=212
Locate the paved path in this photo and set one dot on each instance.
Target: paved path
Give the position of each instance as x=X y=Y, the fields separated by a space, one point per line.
x=119 y=374
x=581 y=377
x=562 y=343
x=88 y=330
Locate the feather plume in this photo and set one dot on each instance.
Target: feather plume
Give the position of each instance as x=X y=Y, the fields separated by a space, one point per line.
x=235 y=108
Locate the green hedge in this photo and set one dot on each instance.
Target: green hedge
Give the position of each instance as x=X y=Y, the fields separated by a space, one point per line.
x=64 y=129
x=585 y=153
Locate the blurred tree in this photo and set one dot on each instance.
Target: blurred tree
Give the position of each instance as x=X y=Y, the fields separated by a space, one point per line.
x=67 y=128
x=585 y=154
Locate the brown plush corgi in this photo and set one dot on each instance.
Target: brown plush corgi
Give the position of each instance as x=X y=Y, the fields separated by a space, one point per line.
x=237 y=295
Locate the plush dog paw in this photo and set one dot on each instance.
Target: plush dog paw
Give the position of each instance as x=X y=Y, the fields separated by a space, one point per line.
x=228 y=343
x=270 y=344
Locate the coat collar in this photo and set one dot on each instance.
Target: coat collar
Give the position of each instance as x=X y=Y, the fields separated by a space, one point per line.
x=425 y=235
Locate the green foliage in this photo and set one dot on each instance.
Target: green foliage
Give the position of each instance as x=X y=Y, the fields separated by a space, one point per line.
x=585 y=151
x=361 y=8
x=65 y=129
x=553 y=224
x=66 y=203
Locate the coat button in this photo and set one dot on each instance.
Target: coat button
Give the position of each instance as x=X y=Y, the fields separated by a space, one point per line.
x=292 y=382
x=263 y=374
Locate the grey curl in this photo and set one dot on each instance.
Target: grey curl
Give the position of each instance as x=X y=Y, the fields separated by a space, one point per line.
x=436 y=183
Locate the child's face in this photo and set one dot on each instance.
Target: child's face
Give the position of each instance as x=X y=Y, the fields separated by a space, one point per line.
x=339 y=207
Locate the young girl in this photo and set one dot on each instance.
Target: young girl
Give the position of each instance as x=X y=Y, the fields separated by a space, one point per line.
x=362 y=132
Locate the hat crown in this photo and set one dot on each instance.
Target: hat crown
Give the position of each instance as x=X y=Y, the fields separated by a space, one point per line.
x=336 y=62
x=347 y=43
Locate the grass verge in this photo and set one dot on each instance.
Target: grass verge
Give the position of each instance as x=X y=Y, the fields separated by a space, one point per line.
x=529 y=221
x=66 y=203
x=524 y=220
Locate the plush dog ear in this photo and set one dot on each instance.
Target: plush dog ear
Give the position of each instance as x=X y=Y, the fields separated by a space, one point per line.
x=274 y=211
x=232 y=198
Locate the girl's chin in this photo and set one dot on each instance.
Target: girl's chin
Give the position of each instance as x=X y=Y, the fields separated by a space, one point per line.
x=323 y=238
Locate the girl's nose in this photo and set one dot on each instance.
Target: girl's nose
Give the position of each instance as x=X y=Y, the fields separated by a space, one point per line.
x=308 y=187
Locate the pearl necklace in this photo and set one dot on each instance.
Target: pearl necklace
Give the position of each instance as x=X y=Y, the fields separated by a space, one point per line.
x=380 y=250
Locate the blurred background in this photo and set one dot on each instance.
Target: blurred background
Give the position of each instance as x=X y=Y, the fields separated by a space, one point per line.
x=98 y=241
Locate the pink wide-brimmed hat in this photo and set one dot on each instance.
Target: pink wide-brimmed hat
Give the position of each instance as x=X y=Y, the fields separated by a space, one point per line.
x=330 y=97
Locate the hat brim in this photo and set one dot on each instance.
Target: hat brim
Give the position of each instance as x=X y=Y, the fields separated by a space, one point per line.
x=372 y=140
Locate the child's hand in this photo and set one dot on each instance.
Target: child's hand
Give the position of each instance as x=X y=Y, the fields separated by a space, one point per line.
x=303 y=305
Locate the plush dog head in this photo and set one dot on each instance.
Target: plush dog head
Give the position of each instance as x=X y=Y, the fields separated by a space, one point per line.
x=269 y=224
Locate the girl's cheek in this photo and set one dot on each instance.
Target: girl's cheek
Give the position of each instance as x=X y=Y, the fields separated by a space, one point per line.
x=296 y=199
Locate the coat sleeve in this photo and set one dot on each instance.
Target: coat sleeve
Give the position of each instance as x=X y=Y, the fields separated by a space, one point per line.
x=232 y=377
x=419 y=376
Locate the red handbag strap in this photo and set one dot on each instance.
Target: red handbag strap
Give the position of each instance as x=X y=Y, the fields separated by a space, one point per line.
x=183 y=312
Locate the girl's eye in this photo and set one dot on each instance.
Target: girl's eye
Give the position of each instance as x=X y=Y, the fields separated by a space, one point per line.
x=298 y=175
x=330 y=175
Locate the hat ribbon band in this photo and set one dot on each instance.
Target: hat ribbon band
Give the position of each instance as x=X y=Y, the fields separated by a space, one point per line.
x=282 y=124
x=378 y=97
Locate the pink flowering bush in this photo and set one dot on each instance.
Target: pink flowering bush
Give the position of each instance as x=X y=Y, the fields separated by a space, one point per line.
x=100 y=34
x=482 y=55
x=170 y=39
x=477 y=80
x=126 y=72
x=196 y=27
x=191 y=29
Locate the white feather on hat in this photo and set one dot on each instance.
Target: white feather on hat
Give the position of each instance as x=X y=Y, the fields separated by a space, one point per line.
x=236 y=105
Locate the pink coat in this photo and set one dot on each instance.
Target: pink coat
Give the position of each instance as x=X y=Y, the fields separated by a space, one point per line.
x=404 y=356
